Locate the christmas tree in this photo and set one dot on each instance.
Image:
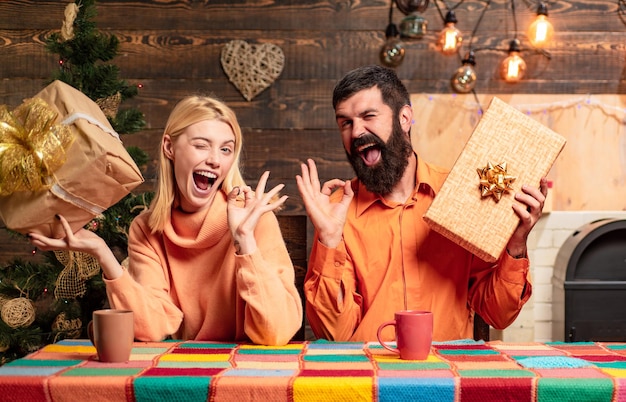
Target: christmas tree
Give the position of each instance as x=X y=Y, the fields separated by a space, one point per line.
x=52 y=299
x=84 y=55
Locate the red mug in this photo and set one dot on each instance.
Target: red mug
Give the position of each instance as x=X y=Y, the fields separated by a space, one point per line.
x=414 y=334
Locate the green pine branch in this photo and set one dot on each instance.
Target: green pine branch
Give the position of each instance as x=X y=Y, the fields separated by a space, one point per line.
x=84 y=64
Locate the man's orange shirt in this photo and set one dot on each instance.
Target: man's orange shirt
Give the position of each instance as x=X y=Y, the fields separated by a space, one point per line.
x=390 y=260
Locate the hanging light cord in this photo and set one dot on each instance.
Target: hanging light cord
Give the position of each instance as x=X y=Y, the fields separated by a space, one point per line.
x=621 y=10
x=514 y=19
x=443 y=17
x=480 y=18
x=391 y=12
x=532 y=5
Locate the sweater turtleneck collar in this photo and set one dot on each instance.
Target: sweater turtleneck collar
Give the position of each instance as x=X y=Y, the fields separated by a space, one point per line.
x=199 y=229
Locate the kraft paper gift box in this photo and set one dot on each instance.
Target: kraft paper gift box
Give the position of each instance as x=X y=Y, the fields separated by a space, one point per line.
x=96 y=174
x=466 y=211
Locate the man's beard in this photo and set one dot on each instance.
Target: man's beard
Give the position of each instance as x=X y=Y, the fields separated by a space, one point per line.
x=394 y=158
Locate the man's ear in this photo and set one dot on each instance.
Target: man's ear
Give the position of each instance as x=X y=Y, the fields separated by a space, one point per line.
x=167 y=146
x=406 y=118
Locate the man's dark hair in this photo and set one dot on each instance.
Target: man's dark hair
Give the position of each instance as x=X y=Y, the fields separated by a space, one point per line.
x=394 y=93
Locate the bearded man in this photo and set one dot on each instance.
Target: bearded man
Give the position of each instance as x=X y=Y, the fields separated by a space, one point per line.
x=373 y=254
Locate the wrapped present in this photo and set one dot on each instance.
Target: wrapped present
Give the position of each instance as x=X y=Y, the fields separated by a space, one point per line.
x=60 y=155
x=506 y=150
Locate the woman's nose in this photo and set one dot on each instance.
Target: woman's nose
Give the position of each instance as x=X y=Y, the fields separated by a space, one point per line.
x=213 y=158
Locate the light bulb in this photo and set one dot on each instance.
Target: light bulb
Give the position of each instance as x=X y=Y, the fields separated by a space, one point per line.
x=464 y=78
x=450 y=37
x=540 y=31
x=513 y=67
x=410 y=6
x=392 y=52
x=413 y=26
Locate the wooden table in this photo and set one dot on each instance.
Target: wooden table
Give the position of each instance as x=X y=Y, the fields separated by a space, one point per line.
x=314 y=371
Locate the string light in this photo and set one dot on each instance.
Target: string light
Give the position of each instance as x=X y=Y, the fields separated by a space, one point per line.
x=410 y=6
x=412 y=25
x=464 y=79
x=540 y=31
x=449 y=40
x=392 y=52
x=513 y=67
x=450 y=37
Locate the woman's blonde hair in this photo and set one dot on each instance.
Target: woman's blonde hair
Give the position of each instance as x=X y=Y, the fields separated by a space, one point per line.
x=188 y=111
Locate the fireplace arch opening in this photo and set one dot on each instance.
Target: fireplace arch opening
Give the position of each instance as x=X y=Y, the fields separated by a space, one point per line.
x=589 y=284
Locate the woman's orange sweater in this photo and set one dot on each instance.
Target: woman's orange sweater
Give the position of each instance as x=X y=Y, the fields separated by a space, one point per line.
x=189 y=283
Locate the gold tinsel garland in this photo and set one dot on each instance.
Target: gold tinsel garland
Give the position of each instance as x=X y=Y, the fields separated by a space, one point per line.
x=32 y=146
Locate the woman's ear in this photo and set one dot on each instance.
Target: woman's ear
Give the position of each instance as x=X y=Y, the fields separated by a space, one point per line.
x=168 y=149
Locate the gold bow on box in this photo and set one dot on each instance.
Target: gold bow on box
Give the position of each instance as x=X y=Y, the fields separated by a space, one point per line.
x=494 y=180
x=32 y=147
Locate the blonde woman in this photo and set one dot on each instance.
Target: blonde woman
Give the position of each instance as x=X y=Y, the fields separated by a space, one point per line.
x=207 y=260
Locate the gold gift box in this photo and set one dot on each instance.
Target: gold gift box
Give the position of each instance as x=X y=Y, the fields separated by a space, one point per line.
x=461 y=211
x=97 y=173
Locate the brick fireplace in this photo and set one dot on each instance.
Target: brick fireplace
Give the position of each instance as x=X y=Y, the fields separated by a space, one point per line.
x=535 y=322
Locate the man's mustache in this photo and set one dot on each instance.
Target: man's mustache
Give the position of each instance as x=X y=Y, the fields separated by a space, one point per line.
x=365 y=139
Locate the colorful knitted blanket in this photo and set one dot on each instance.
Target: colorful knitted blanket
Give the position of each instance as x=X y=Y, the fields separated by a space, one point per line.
x=321 y=371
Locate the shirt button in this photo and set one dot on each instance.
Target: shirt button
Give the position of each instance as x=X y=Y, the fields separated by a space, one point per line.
x=337 y=264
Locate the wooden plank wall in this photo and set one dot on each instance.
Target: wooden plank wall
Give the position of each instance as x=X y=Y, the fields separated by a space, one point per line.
x=172 y=48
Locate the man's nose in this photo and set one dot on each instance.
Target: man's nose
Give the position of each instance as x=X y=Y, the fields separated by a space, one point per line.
x=358 y=129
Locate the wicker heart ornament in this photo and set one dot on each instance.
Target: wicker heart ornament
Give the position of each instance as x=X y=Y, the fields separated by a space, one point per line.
x=252 y=68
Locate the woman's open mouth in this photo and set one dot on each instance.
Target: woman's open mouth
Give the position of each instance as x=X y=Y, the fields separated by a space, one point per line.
x=204 y=180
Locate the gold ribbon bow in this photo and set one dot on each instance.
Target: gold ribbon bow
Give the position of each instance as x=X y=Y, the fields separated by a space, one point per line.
x=32 y=147
x=494 y=180
x=79 y=267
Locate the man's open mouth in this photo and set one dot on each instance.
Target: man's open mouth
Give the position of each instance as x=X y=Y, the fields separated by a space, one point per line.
x=370 y=153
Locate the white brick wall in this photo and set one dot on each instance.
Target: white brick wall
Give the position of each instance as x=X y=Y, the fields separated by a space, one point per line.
x=535 y=321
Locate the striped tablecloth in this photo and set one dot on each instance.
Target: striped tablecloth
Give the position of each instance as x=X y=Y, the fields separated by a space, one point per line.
x=321 y=371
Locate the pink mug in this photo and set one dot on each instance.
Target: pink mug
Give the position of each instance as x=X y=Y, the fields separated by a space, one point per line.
x=112 y=333
x=414 y=334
